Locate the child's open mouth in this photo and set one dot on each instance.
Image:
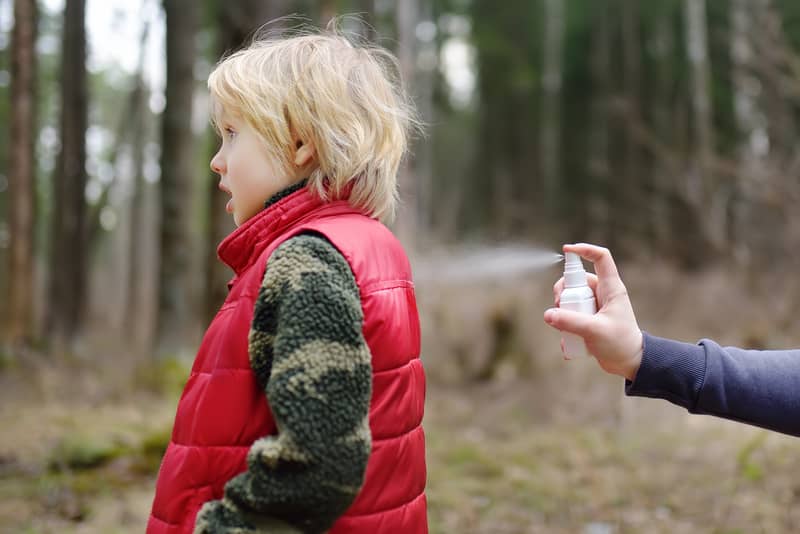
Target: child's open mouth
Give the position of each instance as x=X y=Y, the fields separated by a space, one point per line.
x=229 y=206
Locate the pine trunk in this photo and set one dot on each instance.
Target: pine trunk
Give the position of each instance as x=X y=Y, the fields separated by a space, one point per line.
x=176 y=173
x=702 y=192
x=599 y=171
x=68 y=267
x=236 y=23
x=663 y=46
x=406 y=18
x=133 y=313
x=22 y=206
x=551 y=102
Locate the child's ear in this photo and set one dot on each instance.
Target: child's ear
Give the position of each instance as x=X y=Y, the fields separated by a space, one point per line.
x=305 y=154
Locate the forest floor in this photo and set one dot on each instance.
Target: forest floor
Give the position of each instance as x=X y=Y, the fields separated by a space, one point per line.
x=543 y=447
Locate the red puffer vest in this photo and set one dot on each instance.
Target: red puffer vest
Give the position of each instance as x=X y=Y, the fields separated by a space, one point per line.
x=223 y=410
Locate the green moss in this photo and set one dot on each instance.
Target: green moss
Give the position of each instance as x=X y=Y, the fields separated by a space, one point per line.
x=167 y=376
x=152 y=448
x=474 y=462
x=7 y=360
x=79 y=452
x=748 y=467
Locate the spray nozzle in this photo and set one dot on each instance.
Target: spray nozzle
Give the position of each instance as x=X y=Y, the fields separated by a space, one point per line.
x=572 y=260
x=574 y=273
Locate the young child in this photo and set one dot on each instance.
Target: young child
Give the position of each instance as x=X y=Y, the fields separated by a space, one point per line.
x=303 y=409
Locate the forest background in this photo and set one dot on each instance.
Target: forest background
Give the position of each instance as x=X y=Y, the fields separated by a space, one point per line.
x=666 y=130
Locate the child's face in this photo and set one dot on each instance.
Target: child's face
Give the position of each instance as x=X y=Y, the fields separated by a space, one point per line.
x=247 y=172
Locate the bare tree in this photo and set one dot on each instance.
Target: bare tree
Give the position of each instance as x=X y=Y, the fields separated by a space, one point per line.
x=133 y=311
x=237 y=22
x=550 y=146
x=176 y=172
x=627 y=187
x=327 y=11
x=599 y=171
x=22 y=171
x=366 y=10
x=662 y=43
x=748 y=117
x=406 y=18
x=766 y=96
x=701 y=191
x=66 y=307
x=423 y=149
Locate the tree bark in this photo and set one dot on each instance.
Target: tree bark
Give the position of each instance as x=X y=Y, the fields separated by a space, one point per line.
x=663 y=46
x=22 y=170
x=551 y=102
x=598 y=205
x=327 y=12
x=366 y=11
x=628 y=213
x=746 y=113
x=423 y=149
x=406 y=17
x=68 y=266
x=702 y=192
x=133 y=312
x=176 y=172
x=236 y=23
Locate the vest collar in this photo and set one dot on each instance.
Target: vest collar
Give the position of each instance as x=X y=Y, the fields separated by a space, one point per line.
x=239 y=247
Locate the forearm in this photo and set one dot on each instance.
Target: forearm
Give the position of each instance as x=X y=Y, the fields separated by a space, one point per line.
x=754 y=387
x=312 y=470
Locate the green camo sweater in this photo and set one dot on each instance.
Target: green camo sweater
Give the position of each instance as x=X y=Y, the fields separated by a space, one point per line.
x=307 y=350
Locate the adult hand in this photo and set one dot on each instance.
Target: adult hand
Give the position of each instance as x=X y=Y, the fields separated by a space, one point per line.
x=612 y=335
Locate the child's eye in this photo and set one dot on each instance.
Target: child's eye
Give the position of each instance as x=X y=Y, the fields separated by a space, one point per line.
x=230 y=133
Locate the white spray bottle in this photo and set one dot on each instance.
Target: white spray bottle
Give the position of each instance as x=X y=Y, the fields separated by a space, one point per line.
x=576 y=296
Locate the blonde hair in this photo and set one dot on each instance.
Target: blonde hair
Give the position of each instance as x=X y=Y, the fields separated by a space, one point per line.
x=345 y=97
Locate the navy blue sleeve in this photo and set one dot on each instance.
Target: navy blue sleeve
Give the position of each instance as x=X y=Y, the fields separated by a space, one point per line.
x=760 y=388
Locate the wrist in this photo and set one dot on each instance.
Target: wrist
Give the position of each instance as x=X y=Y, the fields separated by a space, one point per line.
x=635 y=361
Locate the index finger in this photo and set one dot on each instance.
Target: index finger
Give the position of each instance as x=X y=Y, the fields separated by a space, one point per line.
x=604 y=264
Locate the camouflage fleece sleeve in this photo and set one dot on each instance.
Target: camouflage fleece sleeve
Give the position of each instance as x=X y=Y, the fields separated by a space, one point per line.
x=308 y=350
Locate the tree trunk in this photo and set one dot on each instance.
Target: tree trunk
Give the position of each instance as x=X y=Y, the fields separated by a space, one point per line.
x=598 y=205
x=702 y=193
x=628 y=212
x=22 y=170
x=746 y=113
x=551 y=102
x=236 y=23
x=423 y=149
x=68 y=267
x=327 y=12
x=663 y=46
x=176 y=172
x=366 y=10
x=132 y=316
x=406 y=17
x=133 y=312
x=697 y=48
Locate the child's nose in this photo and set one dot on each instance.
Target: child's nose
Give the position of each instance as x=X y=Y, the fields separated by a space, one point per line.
x=217 y=164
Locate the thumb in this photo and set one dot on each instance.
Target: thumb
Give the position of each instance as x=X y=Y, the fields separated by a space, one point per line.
x=569 y=321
